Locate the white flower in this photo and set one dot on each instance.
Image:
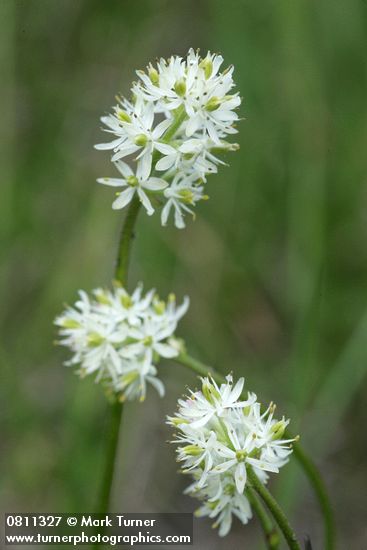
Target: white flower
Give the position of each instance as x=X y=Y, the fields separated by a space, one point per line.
x=221 y=501
x=201 y=406
x=176 y=126
x=219 y=437
x=149 y=339
x=92 y=338
x=121 y=337
x=133 y=383
x=134 y=184
x=123 y=306
x=136 y=134
x=173 y=312
x=181 y=193
x=197 y=85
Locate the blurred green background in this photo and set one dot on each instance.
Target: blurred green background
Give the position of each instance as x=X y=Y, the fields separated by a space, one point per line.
x=275 y=263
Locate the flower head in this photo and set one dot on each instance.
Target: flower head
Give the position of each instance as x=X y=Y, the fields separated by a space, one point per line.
x=175 y=127
x=121 y=337
x=220 y=434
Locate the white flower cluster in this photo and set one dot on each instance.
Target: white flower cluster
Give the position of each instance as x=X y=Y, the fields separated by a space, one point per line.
x=219 y=437
x=121 y=337
x=175 y=126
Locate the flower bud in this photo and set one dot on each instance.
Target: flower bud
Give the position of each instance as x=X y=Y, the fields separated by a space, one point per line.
x=213 y=104
x=192 y=450
x=159 y=307
x=123 y=116
x=278 y=429
x=209 y=391
x=70 y=323
x=126 y=301
x=180 y=87
x=128 y=378
x=153 y=75
x=207 y=66
x=102 y=298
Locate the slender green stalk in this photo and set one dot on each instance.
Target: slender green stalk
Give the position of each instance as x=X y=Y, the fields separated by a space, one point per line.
x=315 y=478
x=179 y=118
x=199 y=368
x=127 y=234
x=270 y=531
x=275 y=509
x=113 y=428
x=116 y=409
x=304 y=461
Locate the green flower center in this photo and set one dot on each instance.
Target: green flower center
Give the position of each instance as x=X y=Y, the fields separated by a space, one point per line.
x=148 y=341
x=241 y=455
x=141 y=140
x=132 y=181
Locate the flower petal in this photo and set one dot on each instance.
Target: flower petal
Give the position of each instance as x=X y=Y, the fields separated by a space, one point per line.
x=155 y=184
x=123 y=199
x=113 y=182
x=165 y=350
x=240 y=477
x=145 y=201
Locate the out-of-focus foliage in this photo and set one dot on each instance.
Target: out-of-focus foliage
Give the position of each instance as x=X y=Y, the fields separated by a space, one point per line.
x=275 y=263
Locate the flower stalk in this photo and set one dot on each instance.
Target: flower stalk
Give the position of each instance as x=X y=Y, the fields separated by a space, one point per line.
x=112 y=437
x=275 y=509
x=116 y=409
x=271 y=534
x=318 y=485
x=127 y=235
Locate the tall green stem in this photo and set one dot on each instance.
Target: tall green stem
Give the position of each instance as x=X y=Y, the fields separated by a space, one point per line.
x=127 y=234
x=116 y=409
x=112 y=435
x=305 y=462
x=275 y=509
x=270 y=532
x=315 y=478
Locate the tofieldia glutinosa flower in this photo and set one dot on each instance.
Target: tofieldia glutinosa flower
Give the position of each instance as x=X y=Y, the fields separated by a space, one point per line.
x=219 y=436
x=174 y=128
x=121 y=337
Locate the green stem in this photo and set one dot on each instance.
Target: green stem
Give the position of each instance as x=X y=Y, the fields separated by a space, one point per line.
x=275 y=509
x=116 y=409
x=112 y=434
x=315 y=479
x=199 y=368
x=270 y=532
x=304 y=461
x=127 y=234
x=178 y=120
